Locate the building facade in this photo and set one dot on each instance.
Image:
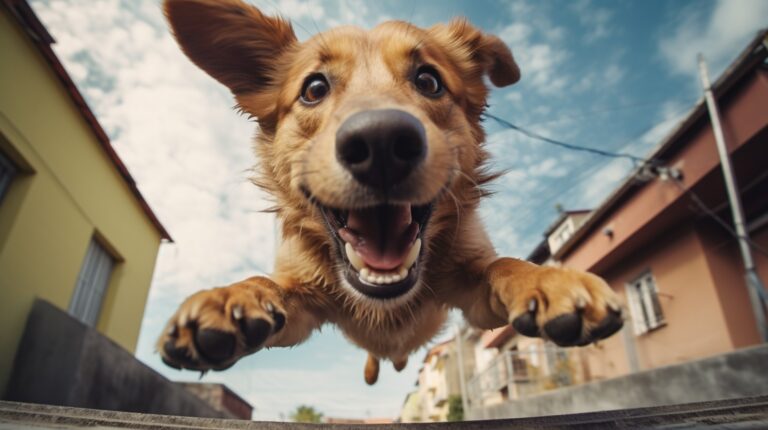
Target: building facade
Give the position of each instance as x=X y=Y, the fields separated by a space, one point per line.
x=74 y=229
x=662 y=239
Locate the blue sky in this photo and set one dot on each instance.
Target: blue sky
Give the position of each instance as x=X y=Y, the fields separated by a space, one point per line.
x=609 y=74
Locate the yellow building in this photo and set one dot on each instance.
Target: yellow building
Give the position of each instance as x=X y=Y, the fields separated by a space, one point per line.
x=74 y=229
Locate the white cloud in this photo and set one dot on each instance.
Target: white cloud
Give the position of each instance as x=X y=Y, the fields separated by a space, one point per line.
x=603 y=78
x=719 y=36
x=595 y=19
x=538 y=47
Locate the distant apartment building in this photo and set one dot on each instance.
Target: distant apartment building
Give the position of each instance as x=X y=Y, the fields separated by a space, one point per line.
x=74 y=229
x=437 y=382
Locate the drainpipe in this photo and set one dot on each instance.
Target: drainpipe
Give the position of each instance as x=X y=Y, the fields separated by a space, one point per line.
x=755 y=286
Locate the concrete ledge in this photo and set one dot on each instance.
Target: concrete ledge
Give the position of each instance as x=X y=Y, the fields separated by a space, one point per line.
x=738 y=374
x=750 y=413
x=61 y=361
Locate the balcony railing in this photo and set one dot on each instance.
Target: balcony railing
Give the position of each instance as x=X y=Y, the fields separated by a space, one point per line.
x=518 y=374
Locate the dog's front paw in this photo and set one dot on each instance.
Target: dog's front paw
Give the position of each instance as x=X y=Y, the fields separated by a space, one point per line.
x=214 y=328
x=568 y=307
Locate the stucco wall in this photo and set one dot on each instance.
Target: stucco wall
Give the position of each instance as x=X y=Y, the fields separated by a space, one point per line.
x=69 y=191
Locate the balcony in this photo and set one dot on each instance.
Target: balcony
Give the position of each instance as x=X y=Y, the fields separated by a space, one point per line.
x=514 y=375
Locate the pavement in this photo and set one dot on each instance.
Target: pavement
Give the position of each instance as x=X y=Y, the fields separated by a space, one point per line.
x=740 y=414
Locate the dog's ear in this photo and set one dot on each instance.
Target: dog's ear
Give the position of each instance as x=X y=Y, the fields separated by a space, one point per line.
x=232 y=41
x=485 y=50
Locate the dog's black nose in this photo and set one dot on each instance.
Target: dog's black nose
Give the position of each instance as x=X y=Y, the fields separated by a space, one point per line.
x=381 y=147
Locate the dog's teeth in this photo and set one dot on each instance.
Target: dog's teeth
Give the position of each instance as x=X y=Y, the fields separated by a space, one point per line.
x=353 y=258
x=403 y=272
x=237 y=312
x=413 y=254
x=364 y=272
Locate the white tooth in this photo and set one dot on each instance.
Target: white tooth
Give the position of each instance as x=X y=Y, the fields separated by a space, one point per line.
x=353 y=258
x=379 y=279
x=237 y=312
x=365 y=272
x=389 y=279
x=403 y=272
x=413 y=254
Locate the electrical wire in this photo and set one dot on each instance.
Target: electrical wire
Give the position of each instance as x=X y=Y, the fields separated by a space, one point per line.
x=567 y=145
x=643 y=161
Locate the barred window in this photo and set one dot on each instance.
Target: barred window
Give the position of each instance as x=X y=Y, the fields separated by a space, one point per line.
x=643 y=300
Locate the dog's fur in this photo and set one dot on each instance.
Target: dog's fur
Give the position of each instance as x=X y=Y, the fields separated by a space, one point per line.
x=260 y=60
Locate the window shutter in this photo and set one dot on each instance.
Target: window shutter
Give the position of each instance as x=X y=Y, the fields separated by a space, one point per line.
x=656 y=314
x=92 y=284
x=636 y=308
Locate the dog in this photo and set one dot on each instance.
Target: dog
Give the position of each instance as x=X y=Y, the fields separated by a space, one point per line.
x=371 y=144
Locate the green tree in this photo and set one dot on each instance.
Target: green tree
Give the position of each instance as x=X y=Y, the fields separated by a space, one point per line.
x=455 y=409
x=306 y=414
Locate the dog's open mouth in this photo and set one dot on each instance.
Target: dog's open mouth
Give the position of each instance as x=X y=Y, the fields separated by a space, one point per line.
x=380 y=246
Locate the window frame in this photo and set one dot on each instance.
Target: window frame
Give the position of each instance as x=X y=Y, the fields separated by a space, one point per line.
x=92 y=285
x=645 y=307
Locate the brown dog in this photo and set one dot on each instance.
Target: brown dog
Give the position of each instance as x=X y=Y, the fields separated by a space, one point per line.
x=371 y=144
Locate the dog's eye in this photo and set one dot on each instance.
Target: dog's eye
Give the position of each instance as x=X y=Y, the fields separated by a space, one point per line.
x=315 y=89
x=428 y=81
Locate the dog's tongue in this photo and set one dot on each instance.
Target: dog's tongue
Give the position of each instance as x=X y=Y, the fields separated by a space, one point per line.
x=381 y=235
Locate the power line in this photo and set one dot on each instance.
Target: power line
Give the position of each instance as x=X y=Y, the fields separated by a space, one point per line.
x=657 y=170
x=566 y=145
x=578 y=179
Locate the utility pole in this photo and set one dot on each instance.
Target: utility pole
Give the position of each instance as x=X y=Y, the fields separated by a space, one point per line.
x=755 y=286
x=462 y=381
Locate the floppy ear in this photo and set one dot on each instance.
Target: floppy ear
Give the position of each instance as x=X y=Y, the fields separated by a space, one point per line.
x=231 y=40
x=499 y=63
x=485 y=50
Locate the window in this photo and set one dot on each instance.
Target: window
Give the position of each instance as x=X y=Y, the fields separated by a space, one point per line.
x=7 y=172
x=561 y=235
x=92 y=284
x=643 y=300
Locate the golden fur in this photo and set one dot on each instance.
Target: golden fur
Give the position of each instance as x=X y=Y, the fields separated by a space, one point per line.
x=260 y=60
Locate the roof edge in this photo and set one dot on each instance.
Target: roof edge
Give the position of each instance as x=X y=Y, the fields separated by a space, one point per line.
x=28 y=20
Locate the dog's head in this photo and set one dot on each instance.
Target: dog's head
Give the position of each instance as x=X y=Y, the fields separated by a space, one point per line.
x=372 y=132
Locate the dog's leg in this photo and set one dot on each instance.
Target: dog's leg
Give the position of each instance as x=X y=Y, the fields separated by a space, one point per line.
x=214 y=328
x=371 y=369
x=400 y=363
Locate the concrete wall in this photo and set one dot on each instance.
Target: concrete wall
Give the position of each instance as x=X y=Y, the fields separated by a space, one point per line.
x=68 y=191
x=728 y=376
x=60 y=361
